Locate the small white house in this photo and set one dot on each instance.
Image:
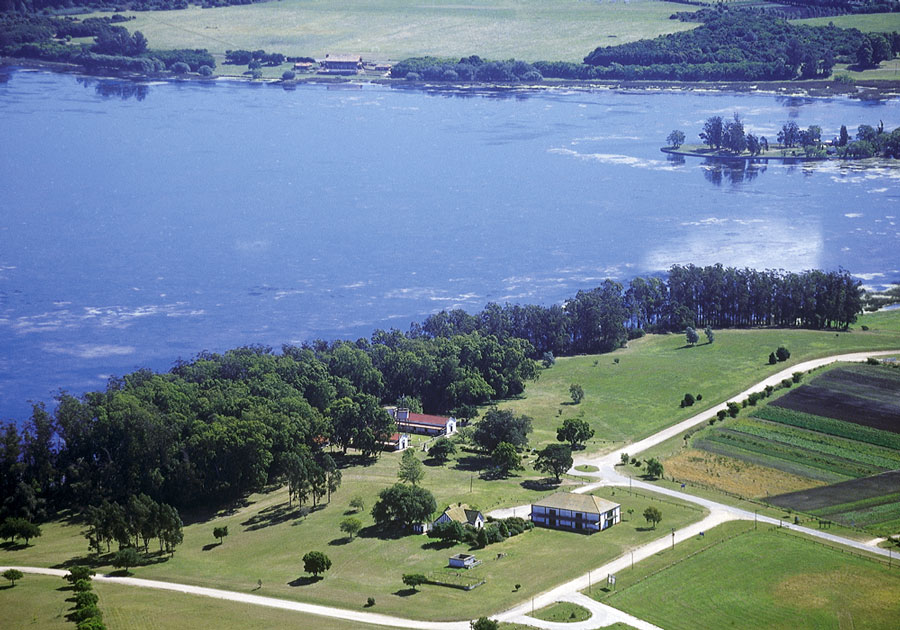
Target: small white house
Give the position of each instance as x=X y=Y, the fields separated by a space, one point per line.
x=577 y=512
x=397 y=442
x=461 y=513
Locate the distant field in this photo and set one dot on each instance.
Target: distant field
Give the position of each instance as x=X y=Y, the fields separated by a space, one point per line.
x=867 y=23
x=394 y=29
x=759 y=579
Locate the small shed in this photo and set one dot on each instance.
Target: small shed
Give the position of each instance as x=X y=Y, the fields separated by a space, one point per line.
x=464 y=561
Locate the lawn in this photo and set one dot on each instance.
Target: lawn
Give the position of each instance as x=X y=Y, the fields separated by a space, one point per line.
x=37 y=602
x=563 y=612
x=266 y=542
x=394 y=29
x=636 y=391
x=759 y=579
x=866 y=22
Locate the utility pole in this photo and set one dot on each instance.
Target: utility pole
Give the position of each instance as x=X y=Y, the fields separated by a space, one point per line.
x=632 y=561
x=673 y=538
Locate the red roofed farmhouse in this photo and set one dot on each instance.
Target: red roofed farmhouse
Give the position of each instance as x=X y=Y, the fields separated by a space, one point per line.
x=422 y=423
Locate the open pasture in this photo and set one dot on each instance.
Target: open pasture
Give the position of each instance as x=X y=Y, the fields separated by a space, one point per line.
x=866 y=395
x=394 y=29
x=760 y=579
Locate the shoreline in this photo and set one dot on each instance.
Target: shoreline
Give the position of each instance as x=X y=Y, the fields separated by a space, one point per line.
x=867 y=90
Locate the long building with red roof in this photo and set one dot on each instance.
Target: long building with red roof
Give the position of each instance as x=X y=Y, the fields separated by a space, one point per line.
x=422 y=423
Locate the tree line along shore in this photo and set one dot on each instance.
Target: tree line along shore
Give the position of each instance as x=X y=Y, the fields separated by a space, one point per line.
x=730 y=44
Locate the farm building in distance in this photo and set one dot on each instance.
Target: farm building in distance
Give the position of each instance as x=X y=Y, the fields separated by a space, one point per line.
x=341 y=64
x=463 y=561
x=577 y=512
x=421 y=423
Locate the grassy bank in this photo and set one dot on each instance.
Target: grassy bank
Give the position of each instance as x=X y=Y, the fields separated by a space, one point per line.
x=393 y=29
x=37 y=602
x=634 y=392
x=758 y=579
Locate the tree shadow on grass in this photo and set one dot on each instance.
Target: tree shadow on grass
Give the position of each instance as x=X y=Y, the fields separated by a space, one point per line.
x=472 y=463
x=405 y=592
x=204 y=514
x=13 y=546
x=91 y=561
x=389 y=532
x=306 y=580
x=211 y=546
x=438 y=544
x=6 y=587
x=645 y=529
x=540 y=484
x=272 y=515
x=343 y=540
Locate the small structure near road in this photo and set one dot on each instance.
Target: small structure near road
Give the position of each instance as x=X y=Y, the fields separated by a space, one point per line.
x=577 y=512
x=464 y=561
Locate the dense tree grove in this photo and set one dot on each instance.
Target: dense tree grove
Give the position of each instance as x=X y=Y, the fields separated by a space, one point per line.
x=221 y=425
x=114 y=47
x=754 y=43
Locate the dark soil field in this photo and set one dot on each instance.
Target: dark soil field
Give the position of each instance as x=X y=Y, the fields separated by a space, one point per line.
x=840 y=493
x=865 y=395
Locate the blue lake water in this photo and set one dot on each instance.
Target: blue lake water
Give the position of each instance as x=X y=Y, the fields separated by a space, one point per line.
x=143 y=224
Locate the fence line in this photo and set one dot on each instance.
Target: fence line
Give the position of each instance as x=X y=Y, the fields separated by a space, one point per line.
x=889 y=563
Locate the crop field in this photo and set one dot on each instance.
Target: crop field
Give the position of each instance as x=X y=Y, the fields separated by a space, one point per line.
x=866 y=395
x=566 y=30
x=871 y=503
x=761 y=579
x=867 y=23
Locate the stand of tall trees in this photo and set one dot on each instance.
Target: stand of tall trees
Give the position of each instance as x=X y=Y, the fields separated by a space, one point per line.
x=222 y=425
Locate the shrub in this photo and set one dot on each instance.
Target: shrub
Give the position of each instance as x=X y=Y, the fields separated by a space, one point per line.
x=370 y=602
x=413 y=76
x=783 y=354
x=180 y=67
x=772 y=359
x=873 y=361
x=699 y=397
x=786 y=383
x=288 y=75
x=733 y=409
x=204 y=71
x=81 y=614
x=796 y=376
x=85 y=599
x=688 y=400
x=82 y=585
x=720 y=415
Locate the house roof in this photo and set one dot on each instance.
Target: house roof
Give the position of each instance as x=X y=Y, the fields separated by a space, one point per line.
x=340 y=58
x=462 y=514
x=576 y=502
x=422 y=418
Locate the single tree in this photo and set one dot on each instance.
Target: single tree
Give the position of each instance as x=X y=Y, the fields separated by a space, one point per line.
x=844 y=137
x=688 y=400
x=654 y=468
x=483 y=623
x=448 y=531
x=404 y=505
x=81 y=586
x=501 y=425
x=710 y=337
x=713 y=132
x=85 y=598
x=220 y=533
x=575 y=431
x=652 y=515
x=126 y=558
x=691 y=335
x=576 y=392
x=506 y=458
x=782 y=354
x=481 y=538
x=772 y=358
x=548 y=359
x=12 y=575
x=351 y=526
x=78 y=572
x=623 y=458
x=630 y=512
x=357 y=503
x=414 y=580
x=442 y=449
x=675 y=139
x=316 y=562
x=411 y=469
x=554 y=459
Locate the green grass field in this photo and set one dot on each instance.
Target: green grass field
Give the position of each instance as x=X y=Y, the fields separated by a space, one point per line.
x=267 y=544
x=394 y=29
x=36 y=602
x=866 y=22
x=759 y=579
x=640 y=394
x=562 y=612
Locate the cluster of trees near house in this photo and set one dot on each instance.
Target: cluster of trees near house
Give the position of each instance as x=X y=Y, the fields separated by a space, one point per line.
x=114 y=47
x=729 y=135
x=221 y=425
x=731 y=44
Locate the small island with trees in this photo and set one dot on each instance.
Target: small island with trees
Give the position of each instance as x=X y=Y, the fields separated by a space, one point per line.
x=728 y=139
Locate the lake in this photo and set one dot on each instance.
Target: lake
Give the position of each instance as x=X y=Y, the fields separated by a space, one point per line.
x=144 y=223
